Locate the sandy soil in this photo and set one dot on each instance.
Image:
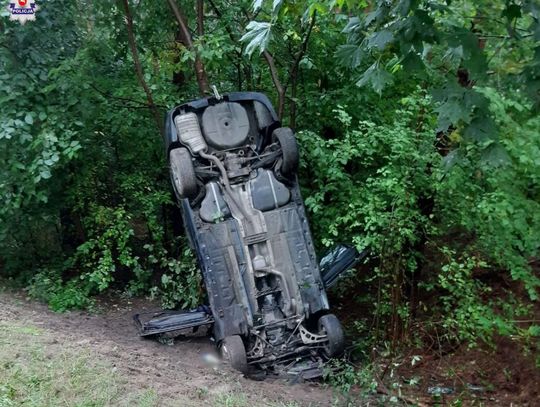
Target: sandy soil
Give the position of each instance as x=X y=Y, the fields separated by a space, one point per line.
x=177 y=372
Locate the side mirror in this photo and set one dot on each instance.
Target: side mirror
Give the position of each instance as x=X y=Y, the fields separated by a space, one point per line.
x=338 y=260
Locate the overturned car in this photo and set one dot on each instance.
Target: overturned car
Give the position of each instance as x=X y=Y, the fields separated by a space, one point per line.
x=233 y=169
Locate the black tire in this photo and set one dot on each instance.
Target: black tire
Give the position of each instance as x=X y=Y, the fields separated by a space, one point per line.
x=289 y=147
x=233 y=353
x=329 y=325
x=183 y=173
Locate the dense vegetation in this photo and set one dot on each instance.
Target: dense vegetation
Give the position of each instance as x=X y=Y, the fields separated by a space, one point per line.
x=417 y=120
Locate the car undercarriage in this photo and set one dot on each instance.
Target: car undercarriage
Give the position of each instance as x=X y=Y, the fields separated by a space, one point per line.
x=234 y=172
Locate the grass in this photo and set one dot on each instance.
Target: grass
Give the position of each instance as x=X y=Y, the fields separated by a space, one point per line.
x=36 y=373
x=240 y=400
x=231 y=400
x=39 y=369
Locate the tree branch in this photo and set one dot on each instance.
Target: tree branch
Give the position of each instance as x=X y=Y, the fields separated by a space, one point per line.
x=219 y=14
x=138 y=66
x=293 y=74
x=273 y=73
x=277 y=83
x=301 y=52
x=200 y=72
x=200 y=18
x=182 y=23
x=109 y=95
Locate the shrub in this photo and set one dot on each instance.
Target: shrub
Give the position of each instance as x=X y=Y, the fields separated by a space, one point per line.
x=434 y=223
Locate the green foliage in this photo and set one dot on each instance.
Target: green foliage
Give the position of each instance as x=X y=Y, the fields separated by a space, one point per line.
x=181 y=282
x=500 y=203
x=344 y=376
x=387 y=188
x=85 y=187
x=450 y=49
x=368 y=181
x=465 y=316
x=47 y=286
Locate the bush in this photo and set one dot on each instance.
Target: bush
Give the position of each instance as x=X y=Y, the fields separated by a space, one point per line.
x=181 y=283
x=48 y=286
x=433 y=223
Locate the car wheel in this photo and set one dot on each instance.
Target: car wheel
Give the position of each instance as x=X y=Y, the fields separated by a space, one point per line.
x=233 y=353
x=183 y=173
x=330 y=326
x=289 y=147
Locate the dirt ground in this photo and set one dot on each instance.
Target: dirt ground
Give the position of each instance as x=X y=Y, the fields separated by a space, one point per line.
x=177 y=373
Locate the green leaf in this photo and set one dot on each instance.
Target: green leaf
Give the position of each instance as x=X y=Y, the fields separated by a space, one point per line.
x=257 y=36
x=468 y=44
x=451 y=159
x=377 y=77
x=512 y=11
x=45 y=174
x=404 y=7
x=412 y=62
x=457 y=103
x=29 y=119
x=454 y=54
x=451 y=112
x=276 y=6
x=481 y=129
x=380 y=39
x=307 y=63
x=377 y=15
x=352 y=25
x=495 y=156
x=534 y=330
x=350 y=55
x=257 y=4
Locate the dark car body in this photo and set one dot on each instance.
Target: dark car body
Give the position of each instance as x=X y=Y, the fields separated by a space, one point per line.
x=233 y=168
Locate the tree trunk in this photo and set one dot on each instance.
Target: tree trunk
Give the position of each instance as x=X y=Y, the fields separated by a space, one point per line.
x=292 y=77
x=178 y=77
x=138 y=67
x=293 y=73
x=277 y=83
x=292 y=105
x=239 y=57
x=200 y=18
x=200 y=72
